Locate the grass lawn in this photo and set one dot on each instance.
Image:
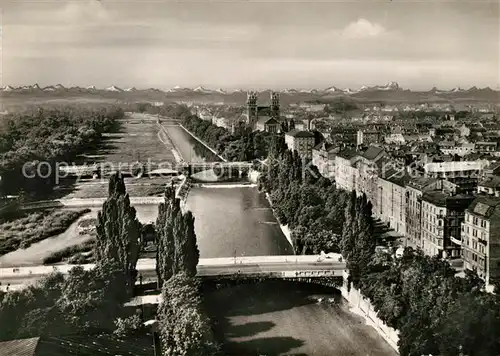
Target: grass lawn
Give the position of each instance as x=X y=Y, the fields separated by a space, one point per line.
x=141 y=187
x=138 y=142
x=25 y=230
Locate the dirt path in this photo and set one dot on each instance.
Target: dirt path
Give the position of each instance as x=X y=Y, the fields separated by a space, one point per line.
x=35 y=254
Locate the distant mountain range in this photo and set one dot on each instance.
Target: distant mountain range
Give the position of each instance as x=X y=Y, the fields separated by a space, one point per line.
x=378 y=92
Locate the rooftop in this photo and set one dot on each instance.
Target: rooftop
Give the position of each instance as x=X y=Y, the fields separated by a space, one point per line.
x=398 y=177
x=84 y=345
x=490 y=182
x=443 y=199
x=348 y=153
x=421 y=182
x=493 y=166
x=484 y=206
x=299 y=133
x=373 y=152
x=267 y=120
x=20 y=347
x=327 y=146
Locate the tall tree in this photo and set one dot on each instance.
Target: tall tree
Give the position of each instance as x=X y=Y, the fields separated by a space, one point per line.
x=165 y=241
x=177 y=250
x=188 y=247
x=347 y=242
x=118 y=231
x=184 y=328
x=364 y=244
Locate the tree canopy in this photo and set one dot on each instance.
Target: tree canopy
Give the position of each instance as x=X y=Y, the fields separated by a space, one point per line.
x=177 y=249
x=48 y=135
x=118 y=231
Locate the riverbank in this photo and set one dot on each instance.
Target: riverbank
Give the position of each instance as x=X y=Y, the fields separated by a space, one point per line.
x=204 y=144
x=22 y=232
x=360 y=305
x=284 y=228
x=167 y=141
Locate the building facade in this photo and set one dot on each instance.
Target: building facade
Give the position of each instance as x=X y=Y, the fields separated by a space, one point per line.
x=268 y=124
x=481 y=238
x=415 y=188
x=300 y=141
x=370 y=165
x=393 y=203
x=346 y=174
x=442 y=216
x=465 y=174
x=323 y=157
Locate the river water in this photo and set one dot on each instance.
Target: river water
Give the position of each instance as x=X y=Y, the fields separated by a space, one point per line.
x=229 y=221
x=235 y=221
x=269 y=318
x=190 y=149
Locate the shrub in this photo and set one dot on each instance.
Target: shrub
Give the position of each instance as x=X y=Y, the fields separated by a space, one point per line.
x=70 y=252
x=129 y=326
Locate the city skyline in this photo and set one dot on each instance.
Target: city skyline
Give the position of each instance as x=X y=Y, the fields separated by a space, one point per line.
x=246 y=44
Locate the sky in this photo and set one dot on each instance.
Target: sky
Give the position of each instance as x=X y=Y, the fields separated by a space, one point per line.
x=251 y=44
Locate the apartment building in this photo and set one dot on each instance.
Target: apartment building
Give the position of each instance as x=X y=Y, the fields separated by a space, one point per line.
x=392 y=201
x=370 y=165
x=486 y=147
x=415 y=188
x=346 y=174
x=465 y=173
x=461 y=150
x=323 y=157
x=481 y=238
x=300 y=141
x=441 y=217
x=489 y=186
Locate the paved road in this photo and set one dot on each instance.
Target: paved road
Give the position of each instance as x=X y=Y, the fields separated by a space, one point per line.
x=285 y=266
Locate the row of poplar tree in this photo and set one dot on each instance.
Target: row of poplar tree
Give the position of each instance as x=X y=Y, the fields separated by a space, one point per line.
x=434 y=311
x=184 y=328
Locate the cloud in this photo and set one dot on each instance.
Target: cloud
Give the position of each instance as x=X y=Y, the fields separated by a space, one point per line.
x=83 y=12
x=363 y=29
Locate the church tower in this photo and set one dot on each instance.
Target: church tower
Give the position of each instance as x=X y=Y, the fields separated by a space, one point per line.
x=251 y=107
x=275 y=105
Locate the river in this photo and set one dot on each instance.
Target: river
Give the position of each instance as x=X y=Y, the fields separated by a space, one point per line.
x=268 y=318
x=190 y=149
x=235 y=221
x=229 y=221
x=271 y=317
x=226 y=219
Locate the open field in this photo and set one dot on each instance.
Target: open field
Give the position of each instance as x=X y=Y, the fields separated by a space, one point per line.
x=138 y=142
x=141 y=187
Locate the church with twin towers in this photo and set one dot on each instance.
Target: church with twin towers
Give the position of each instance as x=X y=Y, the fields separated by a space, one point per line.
x=263 y=118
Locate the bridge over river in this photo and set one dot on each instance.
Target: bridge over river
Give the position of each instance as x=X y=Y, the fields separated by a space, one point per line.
x=290 y=266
